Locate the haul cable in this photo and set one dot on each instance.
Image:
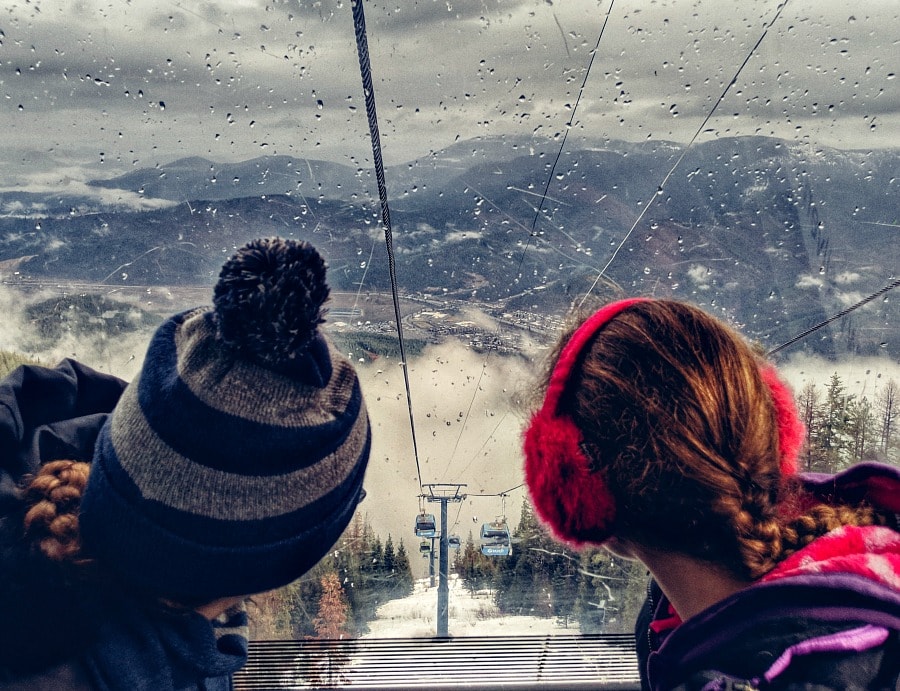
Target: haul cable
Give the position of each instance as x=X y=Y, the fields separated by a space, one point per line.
x=843 y=313
x=365 y=69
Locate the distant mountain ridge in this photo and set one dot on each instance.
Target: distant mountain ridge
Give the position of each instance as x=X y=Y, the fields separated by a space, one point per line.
x=776 y=234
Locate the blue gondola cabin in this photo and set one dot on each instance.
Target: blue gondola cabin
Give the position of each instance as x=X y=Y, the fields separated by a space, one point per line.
x=425 y=525
x=495 y=539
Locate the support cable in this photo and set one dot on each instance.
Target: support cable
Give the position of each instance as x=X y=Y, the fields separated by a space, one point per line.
x=539 y=207
x=365 y=69
x=497 y=494
x=587 y=73
x=839 y=315
x=684 y=153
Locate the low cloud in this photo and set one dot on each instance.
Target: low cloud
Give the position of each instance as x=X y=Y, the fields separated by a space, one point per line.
x=467 y=418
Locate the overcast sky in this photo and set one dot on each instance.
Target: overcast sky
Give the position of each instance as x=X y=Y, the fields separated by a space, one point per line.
x=119 y=84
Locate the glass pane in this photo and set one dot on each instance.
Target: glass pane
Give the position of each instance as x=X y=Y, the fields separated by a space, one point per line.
x=740 y=156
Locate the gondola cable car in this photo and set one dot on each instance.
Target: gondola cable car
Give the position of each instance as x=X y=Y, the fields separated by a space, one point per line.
x=425 y=525
x=495 y=538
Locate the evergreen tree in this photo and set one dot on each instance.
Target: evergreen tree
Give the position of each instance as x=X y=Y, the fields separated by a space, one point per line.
x=540 y=576
x=403 y=582
x=388 y=557
x=301 y=599
x=833 y=431
x=351 y=561
x=347 y=564
x=611 y=592
x=375 y=559
x=475 y=569
x=860 y=430
x=564 y=584
x=594 y=593
x=369 y=586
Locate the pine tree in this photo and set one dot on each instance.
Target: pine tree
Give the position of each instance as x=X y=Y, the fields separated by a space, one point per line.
x=388 y=557
x=351 y=561
x=303 y=597
x=833 y=437
x=540 y=577
x=860 y=430
x=611 y=593
x=403 y=583
x=477 y=571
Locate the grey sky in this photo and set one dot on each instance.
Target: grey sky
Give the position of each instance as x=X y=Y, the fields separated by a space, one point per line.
x=115 y=85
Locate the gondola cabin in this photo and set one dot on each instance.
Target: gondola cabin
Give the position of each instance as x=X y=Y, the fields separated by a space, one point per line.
x=454 y=542
x=425 y=546
x=425 y=525
x=495 y=539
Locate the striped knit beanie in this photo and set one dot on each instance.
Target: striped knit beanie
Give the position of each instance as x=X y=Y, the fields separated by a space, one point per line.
x=235 y=459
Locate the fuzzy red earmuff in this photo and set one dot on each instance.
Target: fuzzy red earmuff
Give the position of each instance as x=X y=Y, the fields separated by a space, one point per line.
x=571 y=499
x=791 y=430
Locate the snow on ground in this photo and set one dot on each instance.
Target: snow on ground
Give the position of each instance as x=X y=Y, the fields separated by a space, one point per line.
x=469 y=615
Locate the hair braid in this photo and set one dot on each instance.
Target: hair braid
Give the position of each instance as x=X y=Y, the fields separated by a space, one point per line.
x=821 y=519
x=757 y=532
x=53 y=497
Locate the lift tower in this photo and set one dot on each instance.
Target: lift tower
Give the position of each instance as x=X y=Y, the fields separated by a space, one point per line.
x=443 y=493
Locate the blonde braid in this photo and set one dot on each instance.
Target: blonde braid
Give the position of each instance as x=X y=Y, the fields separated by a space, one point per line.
x=54 y=498
x=821 y=519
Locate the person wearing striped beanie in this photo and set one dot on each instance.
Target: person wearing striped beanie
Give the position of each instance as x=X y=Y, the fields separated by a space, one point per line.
x=137 y=518
x=235 y=459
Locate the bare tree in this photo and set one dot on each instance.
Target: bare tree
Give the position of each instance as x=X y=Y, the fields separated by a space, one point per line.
x=887 y=408
x=809 y=403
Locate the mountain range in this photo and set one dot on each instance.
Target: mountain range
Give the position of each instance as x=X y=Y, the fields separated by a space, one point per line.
x=777 y=235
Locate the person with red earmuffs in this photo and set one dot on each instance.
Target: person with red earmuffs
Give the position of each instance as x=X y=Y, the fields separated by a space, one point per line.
x=662 y=435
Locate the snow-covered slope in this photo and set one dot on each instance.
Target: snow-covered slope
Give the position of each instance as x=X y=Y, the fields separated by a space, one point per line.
x=469 y=615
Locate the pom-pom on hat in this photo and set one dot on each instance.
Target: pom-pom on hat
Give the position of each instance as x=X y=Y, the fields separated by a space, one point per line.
x=235 y=459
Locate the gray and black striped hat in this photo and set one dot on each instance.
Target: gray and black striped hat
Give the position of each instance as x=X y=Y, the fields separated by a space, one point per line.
x=235 y=459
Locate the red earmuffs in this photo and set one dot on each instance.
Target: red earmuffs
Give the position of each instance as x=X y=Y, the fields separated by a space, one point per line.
x=573 y=501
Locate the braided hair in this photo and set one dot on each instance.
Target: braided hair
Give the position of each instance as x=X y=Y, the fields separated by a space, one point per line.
x=48 y=589
x=53 y=497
